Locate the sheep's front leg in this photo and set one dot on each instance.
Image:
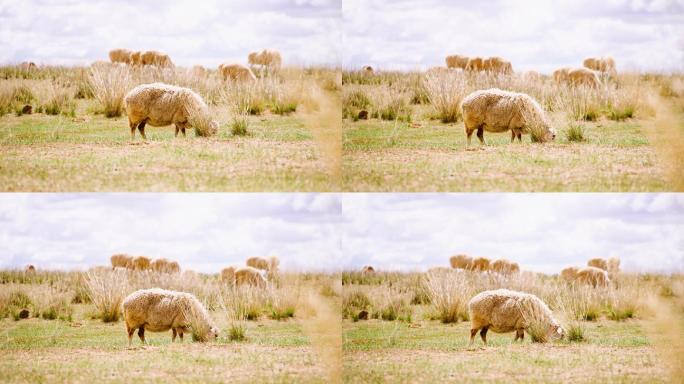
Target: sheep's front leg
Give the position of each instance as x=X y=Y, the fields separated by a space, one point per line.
x=180 y=333
x=483 y=335
x=480 y=135
x=133 y=126
x=473 y=332
x=173 y=338
x=130 y=335
x=141 y=128
x=141 y=333
x=512 y=135
x=519 y=334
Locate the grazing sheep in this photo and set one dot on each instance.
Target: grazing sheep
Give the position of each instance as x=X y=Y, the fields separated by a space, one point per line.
x=569 y=274
x=475 y=64
x=136 y=58
x=495 y=110
x=161 y=104
x=270 y=60
x=28 y=66
x=504 y=311
x=461 y=261
x=481 y=264
x=121 y=260
x=367 y=269
x=497 y=65
x=602 y=64
x=257 y=262
x=596 y=277
x=456 y=61
x=236 y=72
x=173 y=267
x=140 y=263
x=159 y=310
x=160 y=265
x=367 y=69
x=598 y=263
x=560 y=75
x=505 y=267
x=157 y=59
x=250 y=276
x=583 y=77
x=30 y=269
x=120 y=55
x=228 y=275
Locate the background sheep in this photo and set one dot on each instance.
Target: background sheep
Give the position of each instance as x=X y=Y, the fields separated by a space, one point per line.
x=27 y=66
x=159 y=310
x=367 y=69
x=367 y=269
x=603 y=64
x=461 y=261
x=136 y=58
x=481 y=264
x=505 y=267
x=120 y=56
x=497 y=65
x=593 y=276
x=270 y=60
x=583 y=76
x=140 y=263
x=503 y=311
x=569 y=274
x=560 y=75
x=249 y=276
x=456 y=61
x=257 y=262
x=173 y=267
x=475 y=64
x=157 y=59
x=598 y=263
x=121 y=260
x=495 y=110
x=160 y=265
x=30 y=268
x=236 y=72
x=161 y=104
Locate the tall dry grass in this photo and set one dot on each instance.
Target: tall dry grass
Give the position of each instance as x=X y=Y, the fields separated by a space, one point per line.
x=109 y=86
x=107 y=291
x=445 y=91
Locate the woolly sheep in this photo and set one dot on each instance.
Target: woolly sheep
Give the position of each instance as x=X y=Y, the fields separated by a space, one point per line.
x=265 y=58
x=270 y=264
x=456 y=61
x=121 y=260
x=367 y=69
x=158 y=310
x=228 y=275
x=120 y=55
x=593 y=276
x=505 y=267
x=583 y=76
x=495 y=110
x=367 y=269
x=136 y=58
x=28 y=65
x=481 y=264
x=140 y=263
x=503 y=310
x=30 y=268
x=598 y=263
x=461 y=261
x=497 y=65
x=236 y=72
x=173 y=267
x=560 y=75
x=161 y=104
x=250 y=276
x=156 y=58
x=569 y=274
x=601 y=64
x=475 y=64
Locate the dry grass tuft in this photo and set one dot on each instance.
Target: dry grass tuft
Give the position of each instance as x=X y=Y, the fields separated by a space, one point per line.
x=107 y=291
x=110 y=85
x=445 y=91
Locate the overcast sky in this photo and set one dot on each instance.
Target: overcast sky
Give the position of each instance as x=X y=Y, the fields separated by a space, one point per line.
x=532 y=34
x=203 y=232
x=542 y=232
x=191 y=31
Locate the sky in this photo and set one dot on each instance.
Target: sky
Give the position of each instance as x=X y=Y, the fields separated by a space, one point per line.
x=542 y=232
x=536 y=35
x=207 y=32
x=325 y=232
x=203 y=232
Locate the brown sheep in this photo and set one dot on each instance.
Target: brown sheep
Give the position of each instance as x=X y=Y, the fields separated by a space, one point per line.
x=461 y=261
x=560 y=75
x=602 y=64
x=569 y=274
x=121 y=260
x=367 y=69
x=28 y=66
x=257 y=262
x=249 y=276
x=141 y=263
x=120 y=55
x=497 y=65
x=159 y=265
x=475 y=64
x=236 y=72
x=367 y=269
x=481 y=264
x=593 y=276
x=30 y=268
x=173 y=267
x=136 y=58
x=270 y=60
x=228 y=275
x=157 y=59
x=598 y=263
x=583 y=76
x=456 y=61
x=505 y=267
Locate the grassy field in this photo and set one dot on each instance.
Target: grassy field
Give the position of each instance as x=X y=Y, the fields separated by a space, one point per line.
x=406 y=146
x=429 y=351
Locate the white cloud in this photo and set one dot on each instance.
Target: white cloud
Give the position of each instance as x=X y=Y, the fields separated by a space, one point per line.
x=204 y=232
x=544 y=232
x=191 y=31
x=533 y=34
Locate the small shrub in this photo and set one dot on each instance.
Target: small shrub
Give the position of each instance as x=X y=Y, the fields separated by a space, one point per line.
x=576 y=332
x=284 y=108
x=448 y=297
x=353 y=302
x=575 y=133
x=445 y=92
x=107 y=291
x=110 y=85
x=239 y=126
x=236 y=332
x=19 y=299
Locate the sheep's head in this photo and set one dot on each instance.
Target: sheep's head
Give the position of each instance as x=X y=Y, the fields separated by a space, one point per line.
x=213 y=333
x=556 y=332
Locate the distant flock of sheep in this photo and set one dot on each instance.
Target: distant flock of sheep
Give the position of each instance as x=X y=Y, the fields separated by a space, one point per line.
x=143 y=263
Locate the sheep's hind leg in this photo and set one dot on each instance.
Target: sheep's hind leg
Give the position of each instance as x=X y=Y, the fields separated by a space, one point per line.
x=519 y=334
x=512 y=135
x=473 y=332
x=483 y=335
x=141 y=333
x=480 y=135
x=133 y=126
x=131 y=331
x=141 y=128
x=173 y=337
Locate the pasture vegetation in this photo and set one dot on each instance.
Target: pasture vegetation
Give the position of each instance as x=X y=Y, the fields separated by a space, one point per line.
x=282 y=333
x=403 y=131
x=614 y=334
x=65 y=129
